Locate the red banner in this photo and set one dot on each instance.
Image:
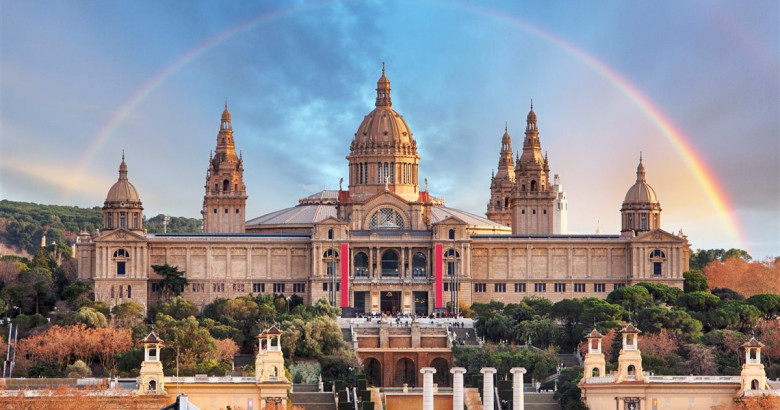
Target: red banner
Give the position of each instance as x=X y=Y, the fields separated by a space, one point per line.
x=344 y=275
x=439 y=282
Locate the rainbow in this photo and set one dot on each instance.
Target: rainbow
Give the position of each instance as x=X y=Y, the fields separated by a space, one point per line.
x=713 y=190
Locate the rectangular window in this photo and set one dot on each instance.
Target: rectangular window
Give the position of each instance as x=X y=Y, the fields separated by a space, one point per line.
x=450 y=286
x=325 y=286
x=120 y=268
x=480 y=287
x=540 y=287
x=258 y=287
x=155 y=287
x=560 y=287
x=238 y=287
x=299 y=287
x=579 y=287
x=278 y=287
x=618 y=286
x=519 y=287
x=599 y=287
x=657 y=268
x=499 y=287
x=129 y=292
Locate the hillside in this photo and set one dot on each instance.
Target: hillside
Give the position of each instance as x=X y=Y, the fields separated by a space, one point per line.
x=22 y=224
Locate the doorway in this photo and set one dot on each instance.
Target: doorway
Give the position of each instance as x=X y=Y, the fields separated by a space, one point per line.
x=390 y=302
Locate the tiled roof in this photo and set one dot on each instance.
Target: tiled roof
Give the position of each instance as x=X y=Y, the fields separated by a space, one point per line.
x=594 y=334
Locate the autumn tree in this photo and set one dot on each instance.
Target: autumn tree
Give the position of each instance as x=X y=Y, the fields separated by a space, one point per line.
x=746 y=278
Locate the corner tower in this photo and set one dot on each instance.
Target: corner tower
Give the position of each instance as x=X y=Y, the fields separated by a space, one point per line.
x=224 y=205
x=641 y=210
x=383 y=155
x=122 y=208
x=533 y=200
x=502 y=184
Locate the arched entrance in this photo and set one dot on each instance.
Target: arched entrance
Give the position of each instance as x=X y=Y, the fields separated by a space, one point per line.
x=442 y=375
x=405 y=372
x=373 y=370
x=390 y=302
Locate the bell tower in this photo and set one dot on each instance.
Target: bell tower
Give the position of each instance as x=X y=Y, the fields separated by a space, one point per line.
x=753 y=376
x=630 y=358
x=595 y=363
x=502 y=184
x=151 y=380
x=224 y=204
x=533 y=201
x=269 y=364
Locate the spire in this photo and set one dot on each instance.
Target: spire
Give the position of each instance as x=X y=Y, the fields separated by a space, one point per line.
x=383 y=90
x=225 y=123
x=123 y=168
x=640 y=170
x=531 y=118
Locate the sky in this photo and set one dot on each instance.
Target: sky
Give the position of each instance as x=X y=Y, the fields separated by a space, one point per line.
x=694 y=86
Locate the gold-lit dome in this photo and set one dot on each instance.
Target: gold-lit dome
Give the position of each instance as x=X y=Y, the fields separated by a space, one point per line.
x=641 y=192
x=122 y=192
x=383 y=127
x=531 y=114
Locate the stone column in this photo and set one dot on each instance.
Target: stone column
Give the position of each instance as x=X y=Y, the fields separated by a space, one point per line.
x=457 y=387
x=487 y=387
x=518 y=396
x=427 y=387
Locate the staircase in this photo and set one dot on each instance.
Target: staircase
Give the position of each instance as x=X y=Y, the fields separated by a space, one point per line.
x=460 y=334
x=569 y=360
x=307 y=396
x=540 y=401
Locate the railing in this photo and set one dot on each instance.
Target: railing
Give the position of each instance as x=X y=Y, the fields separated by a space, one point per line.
x=201 y=379
x=692 y=379
x=756 y=393
x=600 y=380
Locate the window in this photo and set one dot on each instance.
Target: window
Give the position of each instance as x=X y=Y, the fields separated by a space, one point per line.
x=238 y=287
x=236 y=210
x=121 y=253
x=218 y=287
x=630 y=221
x=129 y=292
x=545 y=212
x=522 y=211
x=480 y=287
x=110 y=221
x=519 y=287
x=325 y=286
x=278 y=287
x=419 y=265
x=599 y=287
x=330 y=233
x=618 y=286
x=112 y=292
x=155 y=287
x=135 y=221
x=560 y=287
x=120 y=268
x=258 y=287
x=226 y=210
x=643 y=221
x=215 y=210
x=657 y=257
x=656 y=268
x=390 y=264
x=122 y=217
x=451 y=257
x=299 y=287
x=386 y=218
x=361 y=264
x=499 y=287
x=330 y=257
x=579 y=287
x=534 y=211
x=451 y=286
x=452 y=234
x=198 y=287
x=540 y=287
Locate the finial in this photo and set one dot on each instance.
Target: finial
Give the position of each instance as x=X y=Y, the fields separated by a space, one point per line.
x=532 y=104
x=506 y=126
x=226 y=103
x=123 y=155
x=640 y=157
x=341 y=181
x=426 y=184
x=383 y=68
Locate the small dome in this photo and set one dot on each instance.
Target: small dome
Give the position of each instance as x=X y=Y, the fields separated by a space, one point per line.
x=122 y=191
x=641 y=192
x=531 y=114
x=226 y=113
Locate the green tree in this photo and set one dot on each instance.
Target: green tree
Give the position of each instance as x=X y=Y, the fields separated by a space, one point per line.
x=767 y=303
x=542 y=332
x=128 y=314
x=597 y=310
x=726 y=294
x=498 y=327
x=631 y=298
x=184 y=339
x=698 y=301
x=76 y=293
x=695 y=281
x=662 y=293
x=173 y=280
x=178 y=308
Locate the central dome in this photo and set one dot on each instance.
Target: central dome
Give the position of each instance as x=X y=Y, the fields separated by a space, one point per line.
x=383 y=127
x=122 y=191
x=641 y=192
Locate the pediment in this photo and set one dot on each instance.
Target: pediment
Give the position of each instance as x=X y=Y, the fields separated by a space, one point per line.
x=386 y=198
x=451 y=221
x=331 y=221
x=120 y=235
x=657 y=235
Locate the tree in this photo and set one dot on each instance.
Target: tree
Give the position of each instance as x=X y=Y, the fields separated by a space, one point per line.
x=173 y=280
x=700 y=360
x=128 y=314
x=88 y=316
x=695 y=281
x=78 y=370
x=498 y=327
x=189 y=342
x=631 y=298
x=726 y=294
x=661 y=344
x=747 y=278
x=597 y=310
x=662 y=293
x=768 y=304
x=698 y=301
x=541 y=332
x=76 y=293
x=178 y=308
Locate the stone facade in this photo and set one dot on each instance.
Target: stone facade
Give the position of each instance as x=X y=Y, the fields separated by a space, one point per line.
x=384 y=244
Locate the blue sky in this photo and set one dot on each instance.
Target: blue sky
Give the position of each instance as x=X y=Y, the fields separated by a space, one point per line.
x=300 y=76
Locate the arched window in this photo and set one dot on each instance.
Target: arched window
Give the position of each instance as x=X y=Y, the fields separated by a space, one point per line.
x=657 y=258
x=451 y=256
x=331 y=259
x=390 y=263
x=643 y=222
x=754 y=384
x=121 y=257
x=122 y=219
x=330 y=233
x=386 y=218
x=361 y=264
x=152 y=386
x=506 y=202
x=631 y=370
x=452 y=234
x=533 y=186
x=225 y=185
x=419 y=265
x=595 y=372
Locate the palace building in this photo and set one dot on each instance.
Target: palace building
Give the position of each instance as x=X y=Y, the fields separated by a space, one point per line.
x=383 y=243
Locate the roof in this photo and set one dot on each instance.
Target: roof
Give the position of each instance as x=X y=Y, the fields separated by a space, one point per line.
x=152 y=338
x=630 y=329
x=753 y=343
x=594 y=334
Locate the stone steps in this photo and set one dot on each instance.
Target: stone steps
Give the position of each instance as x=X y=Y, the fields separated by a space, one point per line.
x=312 y=400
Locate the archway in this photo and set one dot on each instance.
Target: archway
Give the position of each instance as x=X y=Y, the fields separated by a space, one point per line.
x=405 y=372
x=390 y=263
x=373 y=370
x=442 y=375
x=152 y=386
x=595 y=372
x=631 y=370
x=754 y=384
